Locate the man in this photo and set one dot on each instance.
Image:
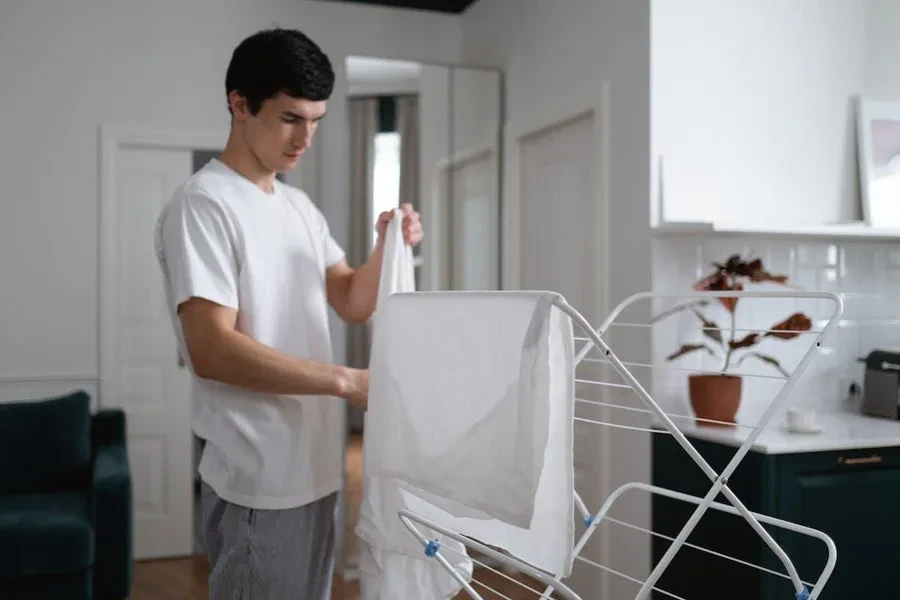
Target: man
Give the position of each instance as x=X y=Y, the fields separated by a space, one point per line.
x=249 y=267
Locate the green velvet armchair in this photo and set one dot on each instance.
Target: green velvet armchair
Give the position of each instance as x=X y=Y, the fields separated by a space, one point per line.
x=65 y=501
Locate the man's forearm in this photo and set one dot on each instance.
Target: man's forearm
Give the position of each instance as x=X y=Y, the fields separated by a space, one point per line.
x=239 y=360
x=362 y=293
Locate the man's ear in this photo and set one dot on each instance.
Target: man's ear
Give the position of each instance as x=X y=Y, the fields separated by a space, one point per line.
x=239 y=107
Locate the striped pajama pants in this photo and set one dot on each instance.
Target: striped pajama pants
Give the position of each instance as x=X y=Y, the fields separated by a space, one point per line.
x=268 y=554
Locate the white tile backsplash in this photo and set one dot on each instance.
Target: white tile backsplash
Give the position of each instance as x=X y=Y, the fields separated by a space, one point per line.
x=865 y=274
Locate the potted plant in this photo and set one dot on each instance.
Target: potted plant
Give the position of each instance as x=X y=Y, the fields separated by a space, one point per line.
x=717 y=397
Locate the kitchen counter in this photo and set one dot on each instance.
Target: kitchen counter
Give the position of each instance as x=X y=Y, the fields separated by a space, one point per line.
x=839 y=431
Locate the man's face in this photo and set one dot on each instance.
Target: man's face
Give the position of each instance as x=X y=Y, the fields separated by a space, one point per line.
x=281 y=131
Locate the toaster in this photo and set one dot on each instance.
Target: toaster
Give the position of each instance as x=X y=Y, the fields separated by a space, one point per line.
x=881 y=387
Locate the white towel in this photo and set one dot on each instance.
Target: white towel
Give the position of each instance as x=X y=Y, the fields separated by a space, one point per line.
x=397 y=273
x=392 y=562
x=477 y=391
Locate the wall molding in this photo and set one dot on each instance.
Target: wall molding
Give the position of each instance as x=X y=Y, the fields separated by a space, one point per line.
x=51 y=378
x=28 y=387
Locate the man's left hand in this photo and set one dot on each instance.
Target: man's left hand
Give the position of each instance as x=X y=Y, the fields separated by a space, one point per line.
x=412 y=226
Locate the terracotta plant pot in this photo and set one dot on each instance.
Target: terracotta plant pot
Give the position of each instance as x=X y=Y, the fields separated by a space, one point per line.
x=715 y=397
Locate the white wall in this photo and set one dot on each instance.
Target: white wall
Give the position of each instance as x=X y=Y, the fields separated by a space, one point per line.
x=883 y=50
x=390 y=88
x=553 y=52
x=753 y=110
x=376 y=76
x=434 y=146
x=476 y=108
x=69 y=67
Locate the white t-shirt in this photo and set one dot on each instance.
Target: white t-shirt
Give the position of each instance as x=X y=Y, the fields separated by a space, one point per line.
x=224 y=239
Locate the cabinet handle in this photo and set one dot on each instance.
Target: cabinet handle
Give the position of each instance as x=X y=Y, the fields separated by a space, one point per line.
x=869 y=460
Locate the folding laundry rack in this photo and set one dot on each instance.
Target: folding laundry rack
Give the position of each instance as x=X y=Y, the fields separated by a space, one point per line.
x=594 y=339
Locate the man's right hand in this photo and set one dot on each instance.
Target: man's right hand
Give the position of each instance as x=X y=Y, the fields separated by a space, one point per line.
x=221 y=353
x=355 y=388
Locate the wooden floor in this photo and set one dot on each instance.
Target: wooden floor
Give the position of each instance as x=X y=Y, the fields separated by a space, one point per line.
x=185 y=579
x=353 y=488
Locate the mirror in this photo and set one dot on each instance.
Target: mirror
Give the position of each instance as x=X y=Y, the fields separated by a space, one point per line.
x=448 y=168
x=430 y=135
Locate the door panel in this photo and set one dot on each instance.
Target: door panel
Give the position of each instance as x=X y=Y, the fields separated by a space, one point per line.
x=557 y=216
x=146 y=380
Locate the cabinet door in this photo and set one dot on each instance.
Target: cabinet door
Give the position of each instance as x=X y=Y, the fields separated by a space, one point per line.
x=695 y=574
x=857 y=503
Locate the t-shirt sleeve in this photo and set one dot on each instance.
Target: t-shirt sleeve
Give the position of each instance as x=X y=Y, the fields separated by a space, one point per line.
x=199 y=250
x=333 y=251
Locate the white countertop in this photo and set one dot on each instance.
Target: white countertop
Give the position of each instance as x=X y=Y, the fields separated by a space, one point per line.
x=839 y=431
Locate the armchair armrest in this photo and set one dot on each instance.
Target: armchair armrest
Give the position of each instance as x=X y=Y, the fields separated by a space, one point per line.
x=108 y=427
x=111 y=501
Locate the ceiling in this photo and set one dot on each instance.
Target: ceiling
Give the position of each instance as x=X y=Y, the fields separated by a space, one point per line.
x=445 y=6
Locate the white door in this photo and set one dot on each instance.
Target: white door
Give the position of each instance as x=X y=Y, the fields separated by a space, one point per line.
x=144 y=375
x=475 y=224
x=558 y=224
x=555 y=243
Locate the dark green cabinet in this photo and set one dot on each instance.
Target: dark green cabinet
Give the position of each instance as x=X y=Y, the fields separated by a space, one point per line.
x=853 y=496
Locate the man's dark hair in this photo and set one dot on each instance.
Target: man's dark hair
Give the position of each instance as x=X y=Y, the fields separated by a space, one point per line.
x=279 y=60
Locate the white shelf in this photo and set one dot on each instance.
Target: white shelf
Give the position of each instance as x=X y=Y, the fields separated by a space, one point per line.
x=850 y=231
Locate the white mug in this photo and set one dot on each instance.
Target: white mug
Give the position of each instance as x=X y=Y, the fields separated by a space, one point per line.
x=801 y=420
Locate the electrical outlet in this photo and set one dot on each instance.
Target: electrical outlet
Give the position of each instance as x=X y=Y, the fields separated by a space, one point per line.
x=850 y=392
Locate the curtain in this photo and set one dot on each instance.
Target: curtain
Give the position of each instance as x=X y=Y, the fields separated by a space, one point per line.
x=408 y=127
x=363 y=122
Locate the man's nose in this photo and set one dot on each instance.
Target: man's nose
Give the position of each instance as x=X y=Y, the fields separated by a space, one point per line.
x=303 y=137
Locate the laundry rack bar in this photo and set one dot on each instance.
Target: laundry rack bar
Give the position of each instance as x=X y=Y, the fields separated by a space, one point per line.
x=664 y=424
x=737 y=329
x=801 y=529
x=644 y=411
x=684 y=369
x=719 y=480
x=410 y=519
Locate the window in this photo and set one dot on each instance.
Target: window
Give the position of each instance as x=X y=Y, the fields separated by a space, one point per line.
x=386 y=184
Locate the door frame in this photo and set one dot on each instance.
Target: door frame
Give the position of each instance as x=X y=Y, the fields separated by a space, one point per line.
x=595 y=101
x=113 y=138
x=440 y=263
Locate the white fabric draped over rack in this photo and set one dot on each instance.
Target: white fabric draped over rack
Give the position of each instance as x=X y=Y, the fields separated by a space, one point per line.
x=391 y=565
x=472 y=399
